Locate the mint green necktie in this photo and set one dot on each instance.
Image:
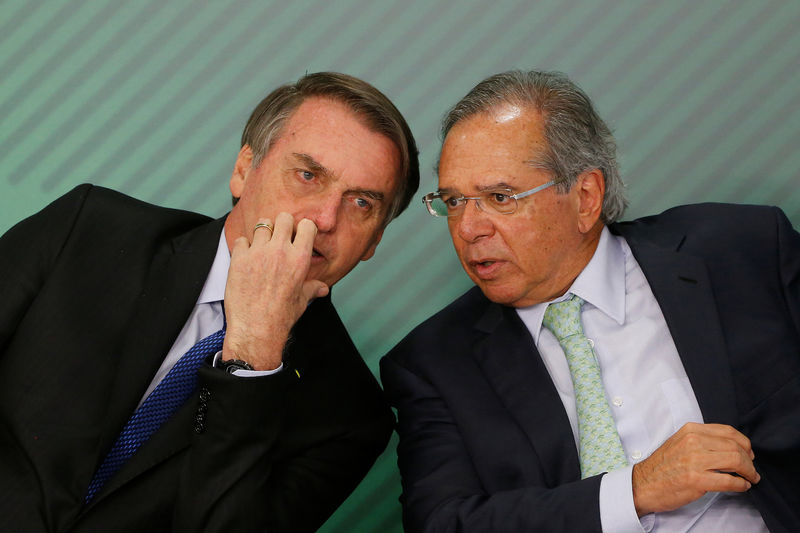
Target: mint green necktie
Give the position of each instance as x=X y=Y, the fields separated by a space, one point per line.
x=600 y=447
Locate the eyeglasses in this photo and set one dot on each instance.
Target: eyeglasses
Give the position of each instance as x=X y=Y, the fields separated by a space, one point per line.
x=445 y=204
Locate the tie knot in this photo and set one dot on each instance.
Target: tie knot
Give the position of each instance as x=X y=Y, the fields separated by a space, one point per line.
x=564 y=318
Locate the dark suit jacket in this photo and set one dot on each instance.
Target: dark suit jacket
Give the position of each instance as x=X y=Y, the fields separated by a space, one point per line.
x=485 y=443
x=95 y=290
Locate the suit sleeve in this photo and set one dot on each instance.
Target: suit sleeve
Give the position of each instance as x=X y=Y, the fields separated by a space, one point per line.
x=442 y=490
x=263 y=462
x=28 y=252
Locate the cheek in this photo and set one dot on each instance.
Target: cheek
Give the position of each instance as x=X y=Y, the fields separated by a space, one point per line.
x=459 y=248
x=452 y=228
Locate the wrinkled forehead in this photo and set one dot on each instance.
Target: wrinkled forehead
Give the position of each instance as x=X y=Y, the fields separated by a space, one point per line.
x=515 y=124
x=491 y=149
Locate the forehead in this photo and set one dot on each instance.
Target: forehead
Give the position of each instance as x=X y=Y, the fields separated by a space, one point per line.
x=491 y=147
x=333 y=135
x=324 y=116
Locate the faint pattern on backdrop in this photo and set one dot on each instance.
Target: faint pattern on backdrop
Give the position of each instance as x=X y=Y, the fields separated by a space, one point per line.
x=150 y=98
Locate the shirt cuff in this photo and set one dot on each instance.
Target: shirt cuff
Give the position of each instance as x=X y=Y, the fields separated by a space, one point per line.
x=247 y=373
x=617 y=512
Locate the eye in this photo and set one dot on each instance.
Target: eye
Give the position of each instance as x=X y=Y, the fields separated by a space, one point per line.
x=305 y=175
x=499 y=198
x=451 y=200
x=363 y=203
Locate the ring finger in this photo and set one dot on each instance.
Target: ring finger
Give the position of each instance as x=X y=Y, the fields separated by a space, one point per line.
x=263 y=224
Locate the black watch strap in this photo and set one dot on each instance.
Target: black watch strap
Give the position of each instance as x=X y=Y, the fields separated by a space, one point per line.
x=232 y=365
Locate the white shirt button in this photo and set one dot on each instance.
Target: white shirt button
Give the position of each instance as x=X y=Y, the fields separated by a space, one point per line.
x=617 y=401
x=591 y=342
x=636 y=455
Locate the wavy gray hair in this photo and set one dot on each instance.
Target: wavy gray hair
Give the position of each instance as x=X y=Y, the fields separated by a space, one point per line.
x=578 y=139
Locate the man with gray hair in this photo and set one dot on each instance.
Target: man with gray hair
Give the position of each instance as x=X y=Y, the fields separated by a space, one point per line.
x=161 y=371
x=608 y=376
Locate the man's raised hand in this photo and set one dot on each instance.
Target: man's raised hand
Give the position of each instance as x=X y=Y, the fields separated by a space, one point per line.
x=267 y=290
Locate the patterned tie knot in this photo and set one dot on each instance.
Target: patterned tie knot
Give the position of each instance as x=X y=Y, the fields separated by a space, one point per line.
x=564 y=318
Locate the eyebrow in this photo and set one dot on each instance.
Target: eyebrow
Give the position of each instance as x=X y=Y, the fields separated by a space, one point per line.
x=373 y=195
x=319 y=168
x=313 y=164
x=495 y=186
x=481 y=188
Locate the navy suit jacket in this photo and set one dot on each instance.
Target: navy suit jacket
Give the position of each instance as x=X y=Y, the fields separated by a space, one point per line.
x=95 y=289
x=485 y=443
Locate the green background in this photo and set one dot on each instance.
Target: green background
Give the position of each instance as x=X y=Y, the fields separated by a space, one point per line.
x=150 y=97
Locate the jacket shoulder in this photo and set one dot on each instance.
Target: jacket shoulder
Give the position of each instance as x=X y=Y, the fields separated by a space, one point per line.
x=453 y=322
x=110 y=205
x=707 y=223
x=714 y=216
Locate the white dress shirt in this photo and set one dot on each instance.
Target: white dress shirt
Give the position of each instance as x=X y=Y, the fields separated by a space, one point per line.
x=206 y=318
x=646 y=386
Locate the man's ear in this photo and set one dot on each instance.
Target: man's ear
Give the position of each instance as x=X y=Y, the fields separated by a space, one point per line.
x=371 y=250
x=241 y=169
x=591 y=189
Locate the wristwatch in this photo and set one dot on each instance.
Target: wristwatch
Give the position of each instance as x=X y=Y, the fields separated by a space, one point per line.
x=232 y=365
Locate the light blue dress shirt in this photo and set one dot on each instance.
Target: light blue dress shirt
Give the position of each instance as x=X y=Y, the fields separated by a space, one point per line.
x=206 y=318
x=646 y=386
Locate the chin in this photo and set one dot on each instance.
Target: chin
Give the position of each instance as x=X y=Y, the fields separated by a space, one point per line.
x=498 y=295
x=316 y=273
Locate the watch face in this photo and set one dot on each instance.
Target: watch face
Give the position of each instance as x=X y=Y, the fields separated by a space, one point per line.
x=233 y=365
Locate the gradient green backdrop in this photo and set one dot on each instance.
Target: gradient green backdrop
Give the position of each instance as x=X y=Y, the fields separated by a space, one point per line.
x=150 y=96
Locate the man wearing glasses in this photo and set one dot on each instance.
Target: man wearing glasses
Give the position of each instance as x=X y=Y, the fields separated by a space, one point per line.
x=601 y=376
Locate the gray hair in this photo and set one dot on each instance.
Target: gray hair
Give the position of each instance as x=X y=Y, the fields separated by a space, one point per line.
x=376 y=111
x=578 y=140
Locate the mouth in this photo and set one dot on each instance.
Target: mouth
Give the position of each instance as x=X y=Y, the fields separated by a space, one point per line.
x=317 y=256
x=486 y=268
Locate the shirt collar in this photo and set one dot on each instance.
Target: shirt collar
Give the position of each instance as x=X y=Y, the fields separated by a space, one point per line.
x=601 y=283
x=214 y=288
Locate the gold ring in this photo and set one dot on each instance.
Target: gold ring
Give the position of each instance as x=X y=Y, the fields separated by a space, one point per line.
x=262 y=225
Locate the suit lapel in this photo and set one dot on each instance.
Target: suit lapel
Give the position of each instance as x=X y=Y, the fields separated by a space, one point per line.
x=682 y=288
x=175 y=434
x=177 y=274
x=515 y=370
x=681 y=285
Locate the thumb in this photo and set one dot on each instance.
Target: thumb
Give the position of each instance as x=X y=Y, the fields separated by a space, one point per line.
x=314 y=289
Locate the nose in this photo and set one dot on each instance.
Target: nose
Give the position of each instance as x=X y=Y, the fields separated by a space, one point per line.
x=473 y=223
x=325 y=212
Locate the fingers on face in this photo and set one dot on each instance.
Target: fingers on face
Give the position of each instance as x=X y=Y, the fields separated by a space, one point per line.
x=284 y=227
x=306 y=233
x=241 y=243
x=263 y=230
